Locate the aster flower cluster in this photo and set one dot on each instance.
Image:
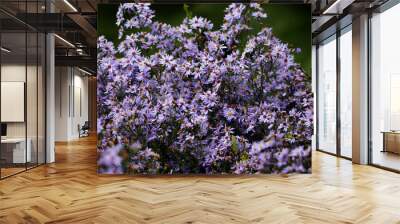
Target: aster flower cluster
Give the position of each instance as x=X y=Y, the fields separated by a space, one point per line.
x=195 y=99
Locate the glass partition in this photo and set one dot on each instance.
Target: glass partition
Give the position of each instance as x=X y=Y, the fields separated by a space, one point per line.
x=13 y=95
x=22 y=77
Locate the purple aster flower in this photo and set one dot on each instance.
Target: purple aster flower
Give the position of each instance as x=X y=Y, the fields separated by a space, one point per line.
x=177 y=92
x=229 y=113
x=110 y=161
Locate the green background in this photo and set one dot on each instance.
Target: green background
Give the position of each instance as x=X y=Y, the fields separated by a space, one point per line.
x=290 y=23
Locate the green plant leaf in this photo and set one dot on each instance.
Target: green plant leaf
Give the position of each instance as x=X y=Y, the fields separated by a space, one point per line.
x=234 y=145
x=187 y=11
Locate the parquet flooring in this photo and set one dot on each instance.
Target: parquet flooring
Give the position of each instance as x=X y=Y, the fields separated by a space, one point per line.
x=70 y=191
x=10 y=171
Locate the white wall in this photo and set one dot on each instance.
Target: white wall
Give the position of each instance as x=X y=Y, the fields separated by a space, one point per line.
x=9 y=73
x=62 y=82
x=71 y=102
x=16 y=73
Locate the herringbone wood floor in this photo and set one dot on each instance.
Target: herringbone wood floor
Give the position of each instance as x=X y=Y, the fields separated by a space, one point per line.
x=70 y=191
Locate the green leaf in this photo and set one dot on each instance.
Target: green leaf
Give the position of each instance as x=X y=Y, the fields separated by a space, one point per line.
x=187 y=11
x=244 y=157
x=234 y=145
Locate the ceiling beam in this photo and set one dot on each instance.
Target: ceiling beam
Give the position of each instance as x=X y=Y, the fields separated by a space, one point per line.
x=79 y=61
x=89 y=30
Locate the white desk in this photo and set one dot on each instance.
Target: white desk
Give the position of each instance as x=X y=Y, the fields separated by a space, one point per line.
x=18 y=144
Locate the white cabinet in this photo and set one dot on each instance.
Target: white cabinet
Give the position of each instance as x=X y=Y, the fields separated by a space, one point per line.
x=19 y=155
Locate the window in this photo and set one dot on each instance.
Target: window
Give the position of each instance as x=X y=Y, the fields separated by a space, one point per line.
x=385 y=89
x=346 y=92
x=334 y=106
x=327 y=96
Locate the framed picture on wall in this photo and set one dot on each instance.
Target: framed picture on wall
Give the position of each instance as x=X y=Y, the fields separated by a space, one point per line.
x=12 y=101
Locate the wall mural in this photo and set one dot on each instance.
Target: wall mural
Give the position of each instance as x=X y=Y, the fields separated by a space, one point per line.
x=202 y=95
